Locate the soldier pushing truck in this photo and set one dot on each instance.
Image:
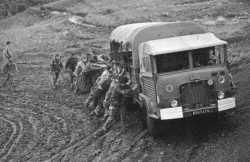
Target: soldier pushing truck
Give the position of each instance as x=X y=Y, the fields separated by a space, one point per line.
x=99 y=90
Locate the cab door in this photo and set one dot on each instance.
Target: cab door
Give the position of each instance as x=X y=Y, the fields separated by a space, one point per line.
x=146 y=75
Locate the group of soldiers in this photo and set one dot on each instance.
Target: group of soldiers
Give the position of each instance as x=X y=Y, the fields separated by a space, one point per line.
x=110 y=94
x=76 y=67
x=110 y=91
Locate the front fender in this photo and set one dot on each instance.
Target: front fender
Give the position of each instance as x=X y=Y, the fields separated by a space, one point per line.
x=150 y=106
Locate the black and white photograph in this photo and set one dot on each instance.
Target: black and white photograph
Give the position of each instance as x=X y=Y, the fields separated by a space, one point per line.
x=124 y=81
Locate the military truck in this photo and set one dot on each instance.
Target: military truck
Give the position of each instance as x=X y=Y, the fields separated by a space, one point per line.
x=182 y=70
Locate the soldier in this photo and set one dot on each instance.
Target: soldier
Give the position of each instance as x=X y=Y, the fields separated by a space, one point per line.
x=107 y=99
x=212 y=58
x=9 y=67
x=70 y=65
x=99 y=90
x=119 y=91
x=56 y=67
x=7 y=54
x=83 y=66
x=119 y=72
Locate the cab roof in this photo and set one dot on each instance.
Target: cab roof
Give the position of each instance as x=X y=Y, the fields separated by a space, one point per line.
x=131 y=35
x=181 y=43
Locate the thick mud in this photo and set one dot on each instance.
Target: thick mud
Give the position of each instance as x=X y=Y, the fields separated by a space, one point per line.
x=41 y=124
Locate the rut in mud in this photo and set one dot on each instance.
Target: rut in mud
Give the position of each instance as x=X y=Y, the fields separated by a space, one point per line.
x=40 y=124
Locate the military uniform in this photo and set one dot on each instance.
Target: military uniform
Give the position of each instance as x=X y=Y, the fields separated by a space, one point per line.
x=119 y=74
x=118 y=93
x=71 y=66
x=10 y=69
x=98 y=92
x=55 y=69
x=107 y=98
x=83 y=81
x=8 y=66
x=7 y=56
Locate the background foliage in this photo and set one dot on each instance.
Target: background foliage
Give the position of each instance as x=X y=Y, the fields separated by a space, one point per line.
x=11 y=7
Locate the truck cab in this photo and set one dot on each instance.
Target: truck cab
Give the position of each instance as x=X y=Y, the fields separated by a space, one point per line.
x=182 y=70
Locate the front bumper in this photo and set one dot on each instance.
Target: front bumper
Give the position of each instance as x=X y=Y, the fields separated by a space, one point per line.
x=179 y=112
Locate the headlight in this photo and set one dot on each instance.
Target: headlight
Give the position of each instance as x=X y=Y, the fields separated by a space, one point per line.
x=174 y=103
x=210 y=82
x=221 y=79
x=221 y=95
x=169 y=88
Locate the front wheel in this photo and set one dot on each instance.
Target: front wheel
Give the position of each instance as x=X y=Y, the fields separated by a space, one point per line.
x=153 y=126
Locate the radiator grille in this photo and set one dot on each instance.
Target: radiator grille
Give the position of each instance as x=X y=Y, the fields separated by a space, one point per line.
x=149 y=88
x=196 y=94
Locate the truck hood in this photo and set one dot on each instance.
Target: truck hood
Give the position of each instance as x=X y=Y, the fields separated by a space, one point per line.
x=167 y=85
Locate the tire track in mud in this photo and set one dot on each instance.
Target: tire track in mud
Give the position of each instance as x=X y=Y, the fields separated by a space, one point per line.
x=88 y=140
x=194 y=140
x=81 y=144
x=85 y=141
x=73 y=145
x=19 y=128
x=82 y=148
x=40 y=111
x=19 y=136
x=36 y=110
x=8 y=138
x=126 y=151
x=193 y=152
x=14 y=138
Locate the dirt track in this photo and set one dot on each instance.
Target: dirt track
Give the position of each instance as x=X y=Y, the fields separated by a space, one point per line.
x=39 y=124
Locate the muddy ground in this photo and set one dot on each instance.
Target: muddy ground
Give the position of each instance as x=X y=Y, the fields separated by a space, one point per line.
x=40 y=124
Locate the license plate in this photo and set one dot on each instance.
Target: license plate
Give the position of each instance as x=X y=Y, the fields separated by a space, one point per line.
x=171 y=113
x=203 y=111
x=227 y=103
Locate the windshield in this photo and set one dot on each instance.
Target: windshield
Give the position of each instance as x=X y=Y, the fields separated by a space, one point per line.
x=172 y=62
x=180 y=61
x=204 y=57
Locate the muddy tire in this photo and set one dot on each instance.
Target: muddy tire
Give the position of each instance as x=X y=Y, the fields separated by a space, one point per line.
x=153 y=126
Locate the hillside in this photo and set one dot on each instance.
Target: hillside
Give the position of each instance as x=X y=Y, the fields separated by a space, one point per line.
x=40 y=124
x=12 y=7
